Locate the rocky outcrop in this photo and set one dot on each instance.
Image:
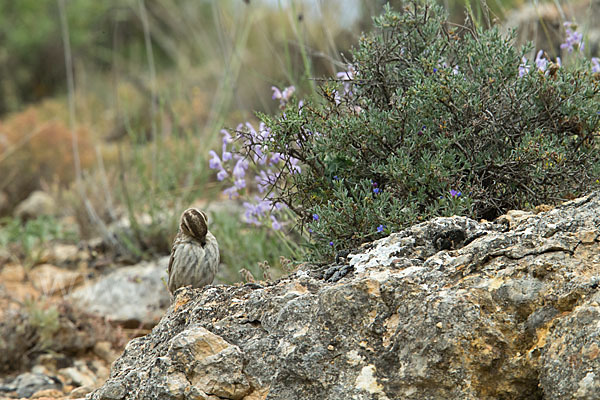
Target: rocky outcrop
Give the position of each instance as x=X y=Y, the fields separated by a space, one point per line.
x=447 y=309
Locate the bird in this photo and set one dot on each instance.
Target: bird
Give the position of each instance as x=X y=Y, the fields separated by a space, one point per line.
x=195 y=253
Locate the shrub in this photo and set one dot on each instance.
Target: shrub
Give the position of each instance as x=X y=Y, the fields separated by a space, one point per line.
x=36 y=147
x=432 y=120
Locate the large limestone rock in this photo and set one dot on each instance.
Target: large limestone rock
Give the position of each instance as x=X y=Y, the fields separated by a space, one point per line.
x=134 y=296
x=447 y=309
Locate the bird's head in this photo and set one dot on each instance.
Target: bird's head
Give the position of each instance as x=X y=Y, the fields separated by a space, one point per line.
x=194 y=223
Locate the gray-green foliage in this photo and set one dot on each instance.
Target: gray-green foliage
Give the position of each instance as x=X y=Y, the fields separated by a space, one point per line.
x=438 y=121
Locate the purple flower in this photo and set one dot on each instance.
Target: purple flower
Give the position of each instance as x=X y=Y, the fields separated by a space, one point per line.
x=335 y=178
x=232 y=192
x=310 y=230
x=258 y=155
x=222 y=175
x=288 y=92
x=540 y=61
x=226 y=136
x=376 y=190
x=251 y=130
x=275 y=224
x=336 y=97
x=276 y=93
x=380 y=228
x=265 y=179
x=316 y=217
x=523 y=68
x=284 y=96
x=331 y=243
x=347 y=77
x=573 y=39
x=595 y=64
x=251 y=213
x=239 y=183
x=226 y=154
x=455 y=193
x=294 y=167
x=239 y=171
x=264 y=130
x=256 y=211
x=215 y=161
x=275 y=158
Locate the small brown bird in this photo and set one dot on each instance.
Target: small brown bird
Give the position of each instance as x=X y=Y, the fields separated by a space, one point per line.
x=195 y=252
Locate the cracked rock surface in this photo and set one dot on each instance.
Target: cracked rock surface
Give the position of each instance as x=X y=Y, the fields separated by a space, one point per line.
x=447 y=309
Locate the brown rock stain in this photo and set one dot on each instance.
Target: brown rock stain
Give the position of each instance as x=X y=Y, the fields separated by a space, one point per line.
x=391 y=325
x=258 y=394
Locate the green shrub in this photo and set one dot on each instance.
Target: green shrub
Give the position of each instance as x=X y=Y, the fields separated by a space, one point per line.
x=433 y=120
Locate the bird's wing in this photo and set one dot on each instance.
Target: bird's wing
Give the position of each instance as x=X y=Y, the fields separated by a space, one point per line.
x=171 y=259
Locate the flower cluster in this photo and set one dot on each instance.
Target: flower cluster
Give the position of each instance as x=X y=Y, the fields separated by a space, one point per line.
x=574 y=39
x=283 y=96
x=541 y=62
x=254 y=156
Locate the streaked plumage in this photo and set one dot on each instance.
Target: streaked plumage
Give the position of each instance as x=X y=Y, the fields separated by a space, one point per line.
x=195 y=253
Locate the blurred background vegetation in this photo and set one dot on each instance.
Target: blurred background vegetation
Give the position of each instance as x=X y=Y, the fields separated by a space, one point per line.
x=154 y=82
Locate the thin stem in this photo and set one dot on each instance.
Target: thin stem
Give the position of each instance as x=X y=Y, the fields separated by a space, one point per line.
x=151 y=68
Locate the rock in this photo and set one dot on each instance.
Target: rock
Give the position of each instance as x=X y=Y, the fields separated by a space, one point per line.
x=78 y=375
x=135 y=295
x=12 y=273
x=38 y=203
x=13 y=286
x=447 y=309
x=48 y=279
x=27 y=384
x=80 y=392
x=570 y=365
x=63 y=254
x=48 y=394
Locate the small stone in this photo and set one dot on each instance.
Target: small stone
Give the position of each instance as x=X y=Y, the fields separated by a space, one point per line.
x=80 y=392
x=38 y=204
x=439 y=325
x=49 y=279
x=47 y=394
x=62 y=254
x=29 y=383
x=12 y=273
x=78 y=375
